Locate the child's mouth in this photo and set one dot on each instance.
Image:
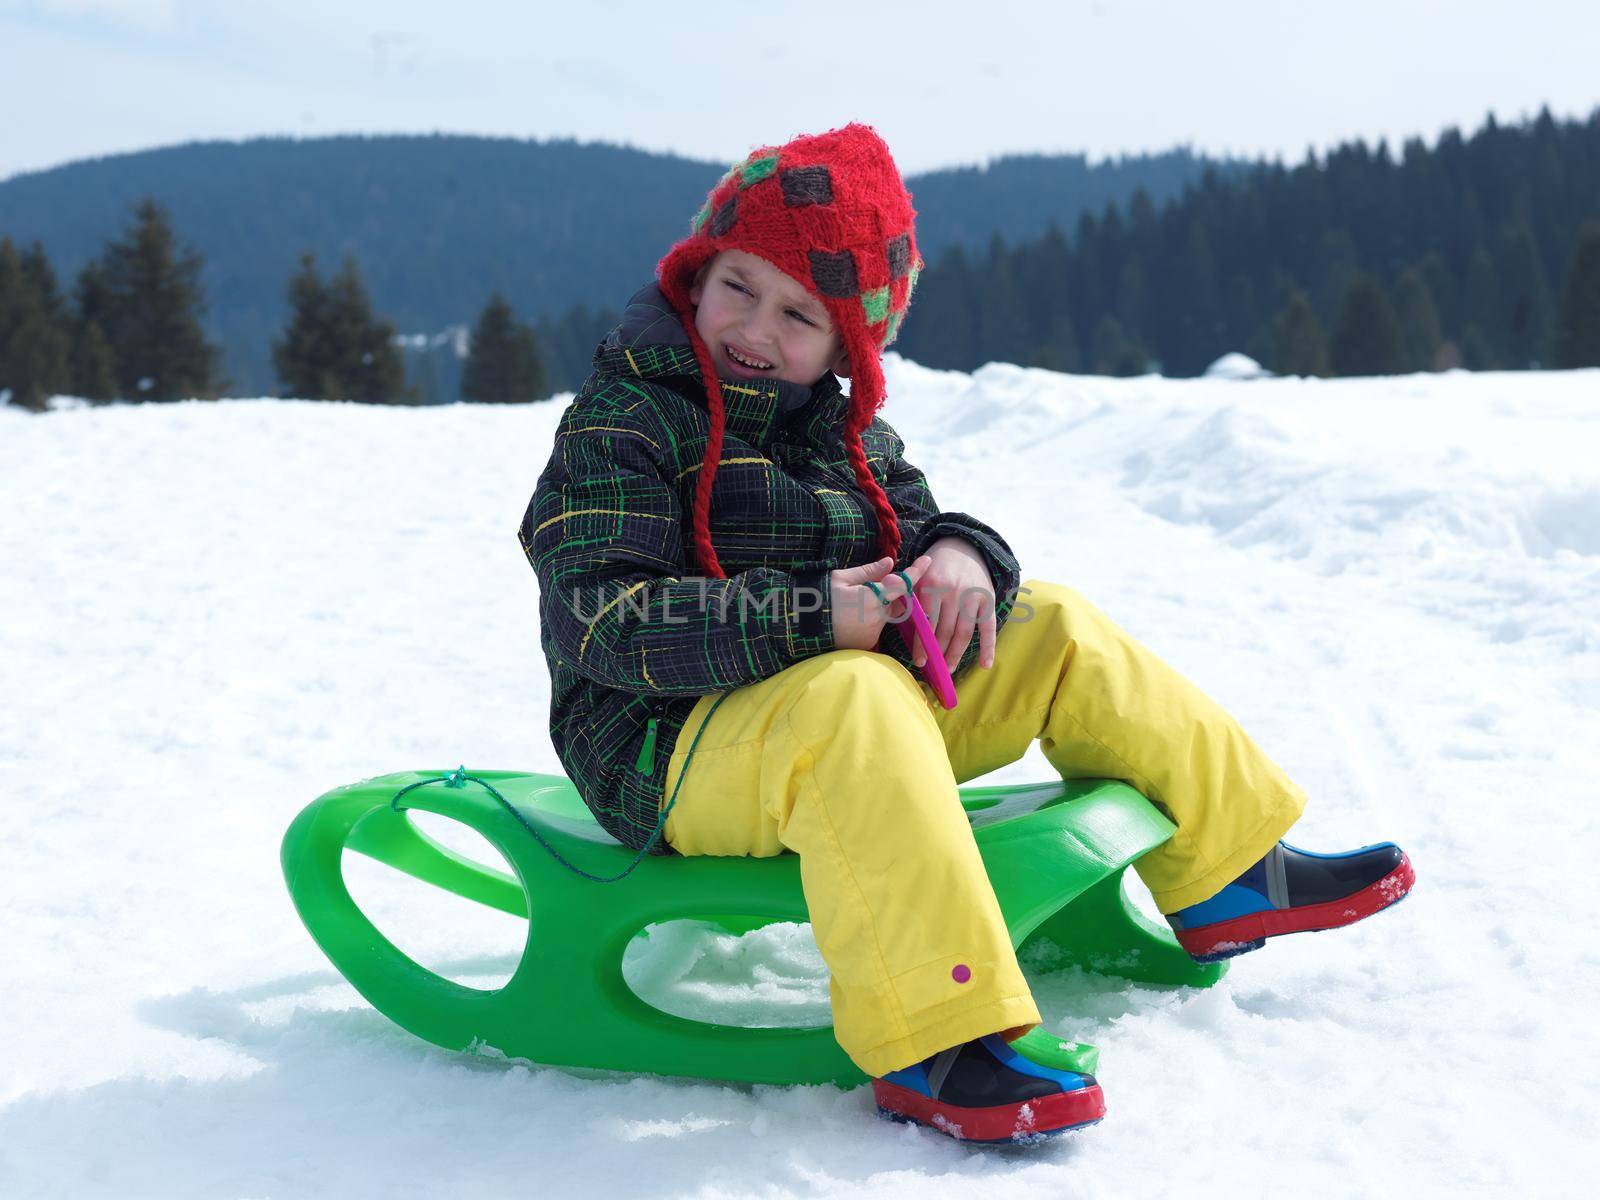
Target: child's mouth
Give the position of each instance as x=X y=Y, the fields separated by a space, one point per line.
x=745 y=361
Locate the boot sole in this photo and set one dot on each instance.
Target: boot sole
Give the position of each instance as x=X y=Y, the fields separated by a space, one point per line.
x=1029 y=1121
x=1225 y=939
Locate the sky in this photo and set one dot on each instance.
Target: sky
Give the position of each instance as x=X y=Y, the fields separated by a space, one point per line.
x=944 y=85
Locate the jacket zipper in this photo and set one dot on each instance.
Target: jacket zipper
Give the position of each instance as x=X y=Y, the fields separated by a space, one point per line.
x=647 y=753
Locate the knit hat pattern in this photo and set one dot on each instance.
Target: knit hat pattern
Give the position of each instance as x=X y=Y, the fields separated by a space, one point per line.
x=830 y=211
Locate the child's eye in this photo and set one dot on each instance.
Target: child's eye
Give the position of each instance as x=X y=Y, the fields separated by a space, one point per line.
x=743 y=291
x=801 y=317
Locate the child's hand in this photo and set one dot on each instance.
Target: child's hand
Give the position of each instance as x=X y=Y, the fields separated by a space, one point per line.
x=858 y=615
x=958 y=596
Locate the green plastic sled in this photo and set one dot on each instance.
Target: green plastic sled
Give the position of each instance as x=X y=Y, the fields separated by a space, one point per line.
x=1055 y=853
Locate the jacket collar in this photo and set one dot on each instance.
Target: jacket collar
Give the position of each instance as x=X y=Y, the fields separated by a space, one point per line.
x=650 y=342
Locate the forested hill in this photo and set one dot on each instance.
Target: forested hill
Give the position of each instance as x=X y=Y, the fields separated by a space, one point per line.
x=437 y=222
x=1478 y=251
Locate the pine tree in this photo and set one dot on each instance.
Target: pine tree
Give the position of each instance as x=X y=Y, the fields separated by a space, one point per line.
x=1085 y=291
x=1001 y=317
x=334 y=347
x=1445 y=290
x=12 y=287
x=1244 y=320
x=91 y=296
x=1480 y=349
x=939 y=329
x=42 y=276
x=1299 y=347
x=1059 y=351
x=1045 y=280
x=1113 y=352
x=1364 y=340
x=92 y=362
x=91 y=365
x=1337 y=265
x=55 y=325
x=1134 y=307
x=1524 y=296
x=307 y=362
x=153 y=302
x=1416 y=323
x=33 y=347
x=1199 y=320
x=1577 y=329
x=504 y=366
x=377 y=373
x=567 y=343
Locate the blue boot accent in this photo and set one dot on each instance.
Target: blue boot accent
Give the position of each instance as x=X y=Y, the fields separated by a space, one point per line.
x=1246 y=894
x=1067 y=1080
x=1292 y=885
x=913 y=1078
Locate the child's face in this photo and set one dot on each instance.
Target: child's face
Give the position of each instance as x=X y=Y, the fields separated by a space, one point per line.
x=745 y=306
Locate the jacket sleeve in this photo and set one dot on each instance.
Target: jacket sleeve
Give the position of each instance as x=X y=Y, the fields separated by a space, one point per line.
x=922 y=524
x=605 y=533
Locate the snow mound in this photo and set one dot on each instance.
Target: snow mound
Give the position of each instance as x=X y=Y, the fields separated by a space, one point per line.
x=1234 y=365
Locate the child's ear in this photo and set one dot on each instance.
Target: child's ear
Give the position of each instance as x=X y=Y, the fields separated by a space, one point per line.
x=841 y=365
x=698 y=284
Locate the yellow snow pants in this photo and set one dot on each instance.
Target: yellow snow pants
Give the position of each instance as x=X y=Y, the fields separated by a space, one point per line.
x=850 y=761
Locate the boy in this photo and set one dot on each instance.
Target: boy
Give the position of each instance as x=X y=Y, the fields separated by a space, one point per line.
x=714 y=536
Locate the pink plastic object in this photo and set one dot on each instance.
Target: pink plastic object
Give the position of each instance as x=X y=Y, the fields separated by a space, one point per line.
x=933 y=667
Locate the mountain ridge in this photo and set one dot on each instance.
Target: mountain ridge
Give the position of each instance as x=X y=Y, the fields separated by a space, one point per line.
x=438 y=221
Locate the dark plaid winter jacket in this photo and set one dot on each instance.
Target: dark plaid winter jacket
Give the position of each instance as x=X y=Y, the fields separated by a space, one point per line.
x=632 y=631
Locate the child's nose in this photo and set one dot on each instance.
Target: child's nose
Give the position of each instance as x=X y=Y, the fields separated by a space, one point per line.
x=762 y=330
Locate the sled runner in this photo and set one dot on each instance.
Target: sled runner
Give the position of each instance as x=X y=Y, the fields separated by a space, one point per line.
x=1055 y=853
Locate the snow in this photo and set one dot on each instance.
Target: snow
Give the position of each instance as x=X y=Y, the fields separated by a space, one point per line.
x=1234 y=365
x=211 y=613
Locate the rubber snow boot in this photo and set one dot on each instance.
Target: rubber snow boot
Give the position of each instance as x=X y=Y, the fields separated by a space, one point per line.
x=984 y=1091
x=1293 y=891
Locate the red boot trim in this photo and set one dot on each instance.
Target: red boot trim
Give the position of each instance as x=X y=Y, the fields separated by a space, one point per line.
x=1002 y=1122
x=1253 y=927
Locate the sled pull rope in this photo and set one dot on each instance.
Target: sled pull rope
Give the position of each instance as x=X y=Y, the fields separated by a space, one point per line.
x=459 y=779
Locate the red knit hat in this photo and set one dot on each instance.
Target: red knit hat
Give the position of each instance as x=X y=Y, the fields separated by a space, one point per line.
x=831 y=212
